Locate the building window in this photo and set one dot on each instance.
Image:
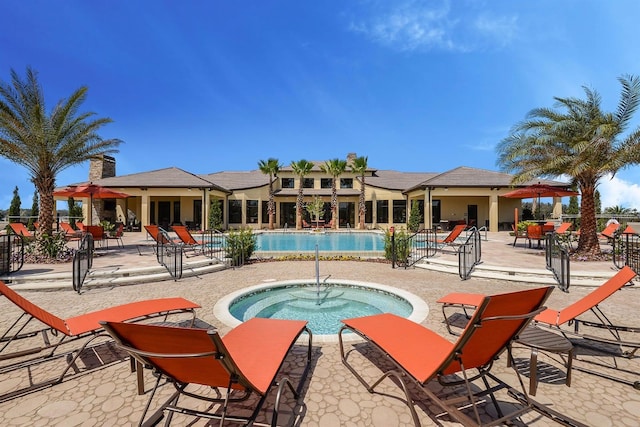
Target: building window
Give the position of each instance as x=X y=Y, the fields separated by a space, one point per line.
x=287 y=183
x=252 y=211
x=382 y=211
x=346 y=182
x=176 y=212
x=326 y=182
x=265 y=212
x=235 y=211
x=307 y=183
x=368 y=215
x=435 y=211
x=399 y=211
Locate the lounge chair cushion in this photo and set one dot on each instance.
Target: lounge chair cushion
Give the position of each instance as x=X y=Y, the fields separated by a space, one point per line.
x=421 y=358
x=126 y=312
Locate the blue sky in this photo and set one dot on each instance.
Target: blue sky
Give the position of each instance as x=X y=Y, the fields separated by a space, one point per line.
x=423 y=86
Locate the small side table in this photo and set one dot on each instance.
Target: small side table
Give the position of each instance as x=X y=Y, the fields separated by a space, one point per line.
x=544 y=340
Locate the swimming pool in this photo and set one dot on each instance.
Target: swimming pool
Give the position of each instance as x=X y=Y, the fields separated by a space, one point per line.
x=348 y=243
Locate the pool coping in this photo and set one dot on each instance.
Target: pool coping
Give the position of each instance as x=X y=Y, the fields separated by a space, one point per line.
x=221 y=308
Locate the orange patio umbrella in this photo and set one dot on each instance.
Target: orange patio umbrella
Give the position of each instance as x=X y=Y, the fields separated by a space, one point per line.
x=539 y=190
x=90 y=191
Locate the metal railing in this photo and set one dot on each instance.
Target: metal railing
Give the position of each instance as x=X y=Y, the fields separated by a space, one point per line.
x=626 y=251
x=169 y=254
x=11 y=253
x=409 y=250
x=469 y=253
x=82 y=261
x=213 y=244
x=557 y=258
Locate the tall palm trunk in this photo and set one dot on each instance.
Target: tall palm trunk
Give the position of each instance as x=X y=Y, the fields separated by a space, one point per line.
x=270 y=205
x=299 y=204
x=588 y=242
x=45 y=184
x=362 y=207
x=334 y=205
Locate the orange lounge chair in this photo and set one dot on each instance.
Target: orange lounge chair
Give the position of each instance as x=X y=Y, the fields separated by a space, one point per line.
x=609 y=232
x=187 y=239
x=421 y=355
x=568 y=321
x=450 y=240
x=70 y=234
x=20 y=229
x=563 y=228
x=58 y=332
x=80 y=225
x=245 y=361
x=615 y=342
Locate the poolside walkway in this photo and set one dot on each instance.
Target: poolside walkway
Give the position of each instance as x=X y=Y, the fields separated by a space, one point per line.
x=332 y=396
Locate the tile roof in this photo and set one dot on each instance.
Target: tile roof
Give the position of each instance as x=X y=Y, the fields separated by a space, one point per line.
x=464 y=176
x=168 y=177
x=238 y=180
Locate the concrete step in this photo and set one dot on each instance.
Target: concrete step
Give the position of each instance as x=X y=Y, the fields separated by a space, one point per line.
x=110 y=276
x=517 y=274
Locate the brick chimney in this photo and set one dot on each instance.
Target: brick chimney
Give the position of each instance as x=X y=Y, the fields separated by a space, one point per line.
x=351 y=157
x=102 y=166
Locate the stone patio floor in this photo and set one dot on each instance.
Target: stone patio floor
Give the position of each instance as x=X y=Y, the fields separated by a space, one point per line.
x=332 y=396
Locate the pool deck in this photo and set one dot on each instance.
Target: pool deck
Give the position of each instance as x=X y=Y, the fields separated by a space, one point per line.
x=331 y=396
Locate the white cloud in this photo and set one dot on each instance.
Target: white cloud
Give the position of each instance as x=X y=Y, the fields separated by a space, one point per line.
x=412 y=25
x=619 y=192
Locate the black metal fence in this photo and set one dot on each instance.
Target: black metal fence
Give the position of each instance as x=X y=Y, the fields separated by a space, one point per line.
x=406 y=251
x=213 y=244
x=626 y=251
x=82 y=261
x=469 y=253
x=169 y=254
x=11 y=253
x=557 y=258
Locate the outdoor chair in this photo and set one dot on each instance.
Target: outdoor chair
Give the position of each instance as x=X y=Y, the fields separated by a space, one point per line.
x=70 y=234
x=535 y=232
x=563 y=228
x=20 y=346
x=245 y=361
x=80 y=225
x=420 y=355
x=160 y=237
x=187 y=239
x=452 y=237
x=97 y=232
x=522 y=234
x=609 y=232
x=615 y=340
x=117 y=236
x=20 y=229
x=567 y=322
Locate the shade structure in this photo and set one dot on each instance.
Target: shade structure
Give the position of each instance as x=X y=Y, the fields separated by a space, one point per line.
x=90 y=191
x=539 y=190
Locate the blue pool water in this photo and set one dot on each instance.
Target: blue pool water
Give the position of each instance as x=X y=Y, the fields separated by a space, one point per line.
x=330 y=241
x=323 y=309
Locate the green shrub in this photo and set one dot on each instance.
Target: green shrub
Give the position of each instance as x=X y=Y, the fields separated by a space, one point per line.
x=240 y=245
x=403 y=248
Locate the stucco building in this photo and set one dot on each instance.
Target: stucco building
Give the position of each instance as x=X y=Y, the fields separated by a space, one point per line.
x=172 y=195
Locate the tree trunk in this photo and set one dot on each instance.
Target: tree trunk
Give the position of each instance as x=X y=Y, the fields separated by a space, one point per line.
x=588 y=243
x=45 y=186
x=270 y=207
x=362 y=207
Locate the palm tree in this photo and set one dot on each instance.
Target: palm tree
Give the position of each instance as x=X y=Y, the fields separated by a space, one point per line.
x=359 y=167
x=270 y=167
x=335 y=168
x=300 y=168
x=44 y=143
x=581 y=142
